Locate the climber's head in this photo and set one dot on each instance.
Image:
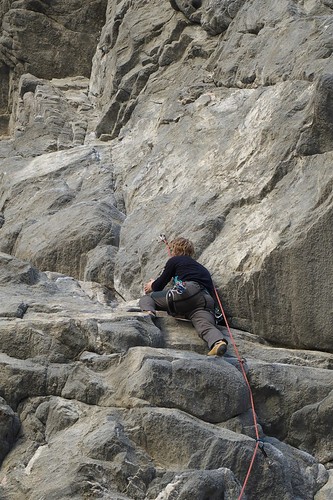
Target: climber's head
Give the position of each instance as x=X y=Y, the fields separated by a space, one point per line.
x=181 y=246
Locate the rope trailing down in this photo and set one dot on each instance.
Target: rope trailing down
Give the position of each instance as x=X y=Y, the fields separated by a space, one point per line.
x=259 y=442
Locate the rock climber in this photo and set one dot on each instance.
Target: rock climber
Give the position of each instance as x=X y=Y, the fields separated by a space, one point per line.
x=191 y=295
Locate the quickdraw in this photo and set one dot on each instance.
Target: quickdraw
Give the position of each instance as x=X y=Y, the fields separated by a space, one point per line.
x=163 y=239
x=179 y=286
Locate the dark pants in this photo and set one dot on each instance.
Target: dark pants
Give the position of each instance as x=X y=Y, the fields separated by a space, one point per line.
x=202 y=315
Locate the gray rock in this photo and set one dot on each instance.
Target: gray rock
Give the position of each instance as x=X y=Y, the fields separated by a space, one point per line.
x=15 y=271
x=120 y=335
x=47 y=117
x=100 y=265
x=208 y=119
x=281 y=390
x=326 y=492
x=13 y=310
x=193 y=443
x=80 y=207
x=214 y=15
x=57 y=341
x=9 y=427
x=55 y=255
x=171 y=379
x=311 y=429
x=248 y=190
x=21 y=380
x=131 y=72
x=219 y=483
x=20 y=42
x=317 y=137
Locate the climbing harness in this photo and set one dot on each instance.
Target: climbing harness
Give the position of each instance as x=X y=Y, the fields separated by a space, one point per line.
x=259 y=442
x=181 y=297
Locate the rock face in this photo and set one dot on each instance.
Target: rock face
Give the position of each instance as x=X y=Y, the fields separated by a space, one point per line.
x=138 y=417
x=122 y=120
x=48 y=39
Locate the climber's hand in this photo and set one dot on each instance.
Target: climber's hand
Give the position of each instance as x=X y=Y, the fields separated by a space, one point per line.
x=147 y=286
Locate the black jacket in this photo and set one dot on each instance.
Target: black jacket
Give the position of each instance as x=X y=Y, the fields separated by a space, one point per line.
x=186 y=269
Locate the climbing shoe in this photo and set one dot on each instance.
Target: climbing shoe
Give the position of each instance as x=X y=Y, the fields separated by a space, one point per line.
x=218 y=349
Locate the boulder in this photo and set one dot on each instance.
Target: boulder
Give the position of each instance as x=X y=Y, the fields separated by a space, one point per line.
x=170 y=379
x=275 y=395
x=311 y=430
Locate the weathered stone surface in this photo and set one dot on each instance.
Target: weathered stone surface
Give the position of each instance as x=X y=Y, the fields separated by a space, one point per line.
x=59 y=225
x=219 y=483
x=266 y=217
x=120 y=334
x=21 y=380
x=48 y=39
x=39 y=36
x=58 y=341
x=326 y=492
x=214 y=15
x=288 y=262
x=317 y=136
x=131 y=52
x=9 y=427
x=57 y=319
x=144 y=376
x=311 y=429
x=16 y=271
x=193 y=443
x=210 y=119
x=289 y=390
x=175 y=382
x=248 y=56
x=53 y=115
x=100 y=265
x=117 y=449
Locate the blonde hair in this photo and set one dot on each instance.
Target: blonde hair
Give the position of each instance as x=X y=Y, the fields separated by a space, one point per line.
x=181 y=246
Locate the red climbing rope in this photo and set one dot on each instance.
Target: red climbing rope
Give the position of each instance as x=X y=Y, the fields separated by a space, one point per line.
x=250 y=394
x=258 y=440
